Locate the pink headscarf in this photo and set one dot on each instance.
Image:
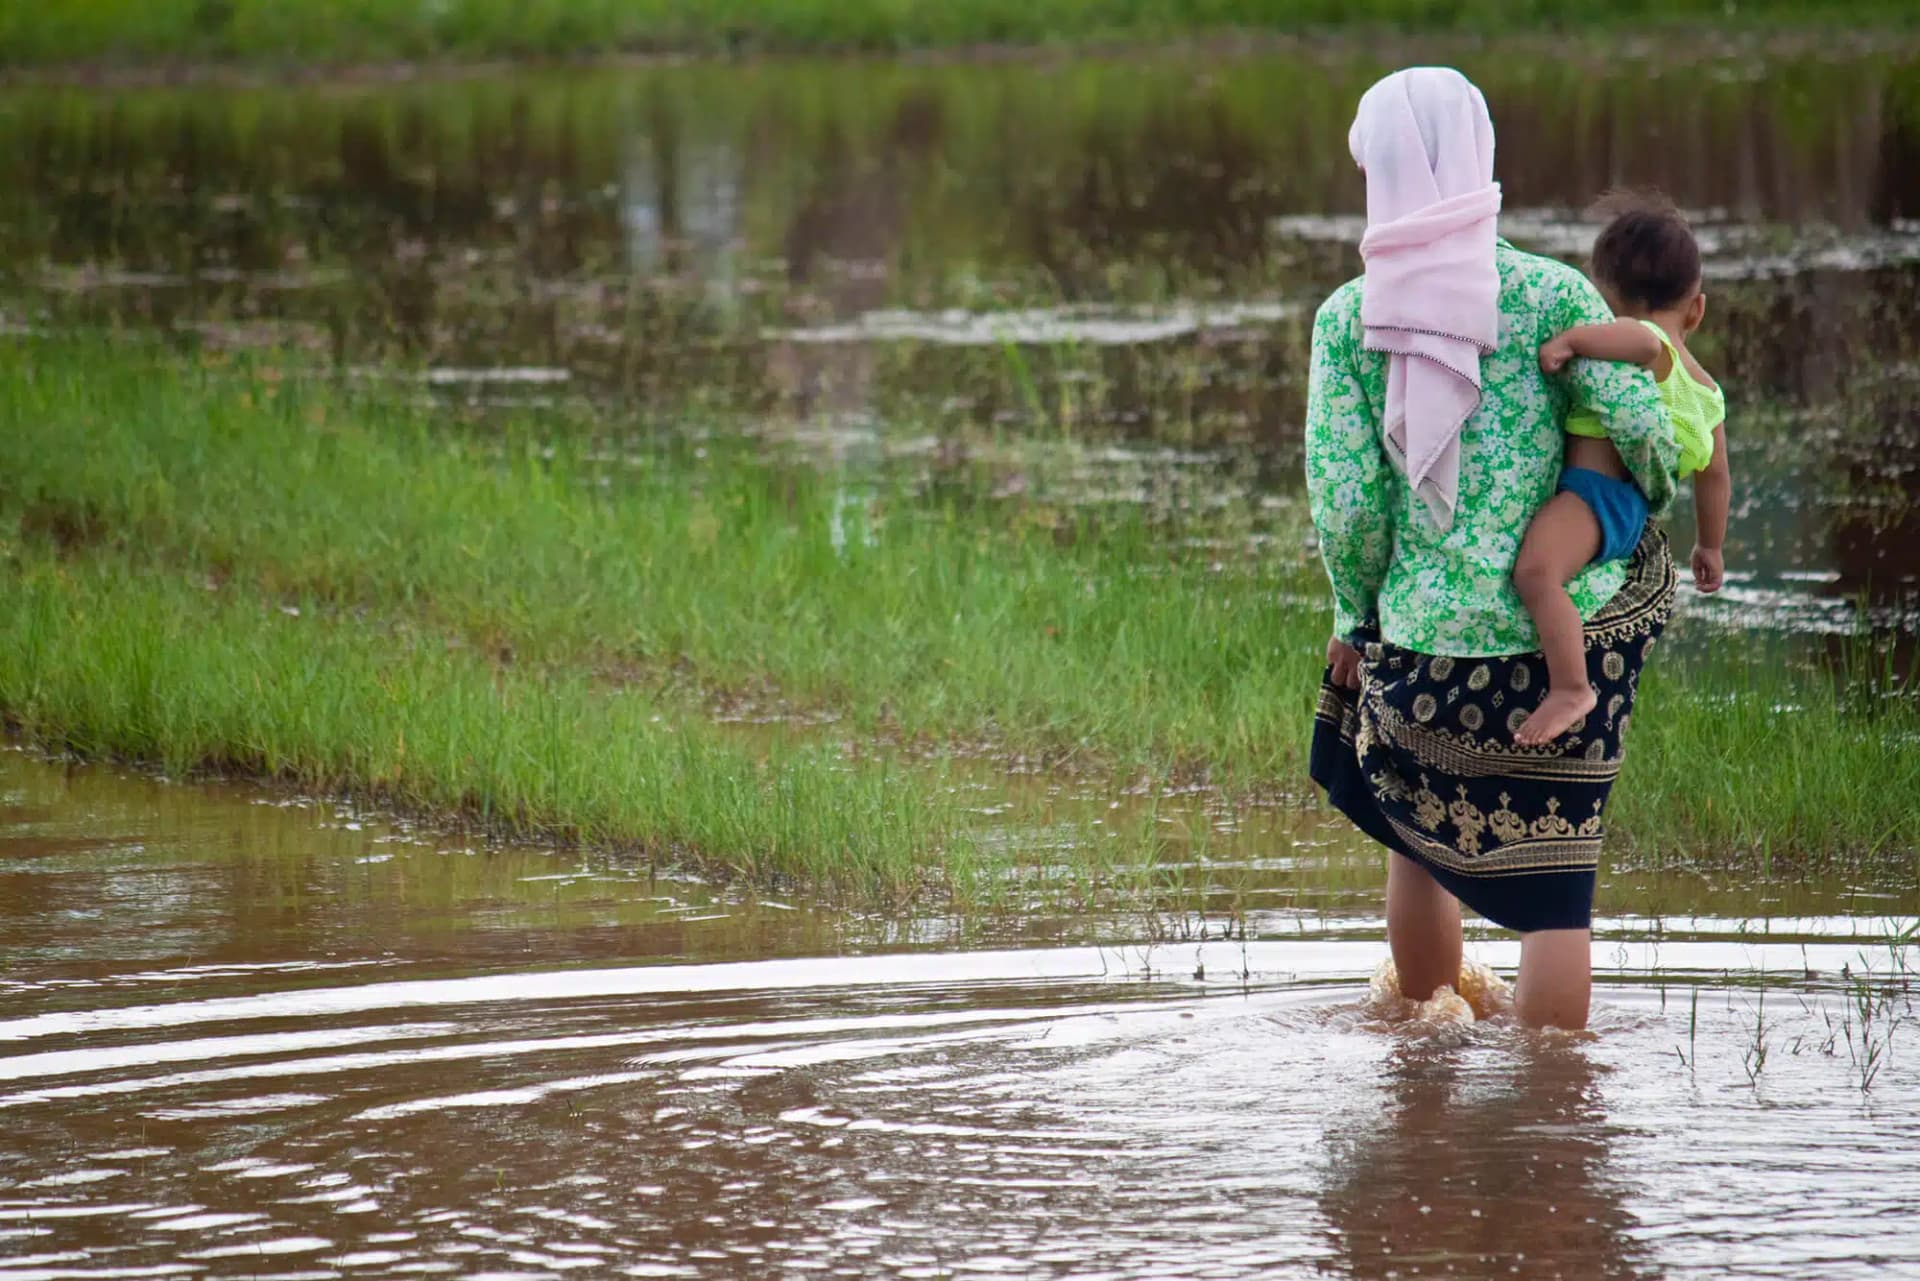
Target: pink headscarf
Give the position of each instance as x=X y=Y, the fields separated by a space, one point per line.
x=1431 y=297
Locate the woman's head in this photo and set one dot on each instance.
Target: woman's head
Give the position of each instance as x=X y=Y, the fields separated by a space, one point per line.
x=1646 y=260
x=1431 y=297
x=1421 y=135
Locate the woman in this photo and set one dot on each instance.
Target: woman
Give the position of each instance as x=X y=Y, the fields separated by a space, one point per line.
x=1432 y=438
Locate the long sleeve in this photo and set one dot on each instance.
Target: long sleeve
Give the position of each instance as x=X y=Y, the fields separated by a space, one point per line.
x=1624 y=396
x=1347 y=481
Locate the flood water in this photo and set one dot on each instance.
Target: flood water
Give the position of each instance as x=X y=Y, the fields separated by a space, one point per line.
x=248 y=1035
x=1101 y=267
x=245 y=1034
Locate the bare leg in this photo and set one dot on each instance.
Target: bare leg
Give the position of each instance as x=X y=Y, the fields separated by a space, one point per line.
x=1562 y=539
x=1556 y=977
x=1423 y=929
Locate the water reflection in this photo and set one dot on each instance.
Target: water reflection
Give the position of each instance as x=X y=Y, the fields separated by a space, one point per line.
x=836 y=189
x=1482 y=1165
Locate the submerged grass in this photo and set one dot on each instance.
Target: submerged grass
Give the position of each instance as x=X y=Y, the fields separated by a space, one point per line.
x=134 y=31
x=489 y=624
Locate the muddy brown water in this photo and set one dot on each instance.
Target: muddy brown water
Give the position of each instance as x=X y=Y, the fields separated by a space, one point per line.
x=1103 y=262
x=243 y=1034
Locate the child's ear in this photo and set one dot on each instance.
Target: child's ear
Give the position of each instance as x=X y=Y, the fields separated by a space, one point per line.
x=1696 y=312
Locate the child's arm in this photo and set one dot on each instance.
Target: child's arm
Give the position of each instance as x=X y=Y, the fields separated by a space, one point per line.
x=1627 y=341
x=1712 y=492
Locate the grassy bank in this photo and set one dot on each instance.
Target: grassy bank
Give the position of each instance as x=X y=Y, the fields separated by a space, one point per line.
x=489 y=623
x=105 y=659
x=133 y=32
x=1036 y=626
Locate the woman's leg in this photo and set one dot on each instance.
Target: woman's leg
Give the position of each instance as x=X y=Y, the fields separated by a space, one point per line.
x=1563 y=538
x=1423 y=929
x=1556 y=977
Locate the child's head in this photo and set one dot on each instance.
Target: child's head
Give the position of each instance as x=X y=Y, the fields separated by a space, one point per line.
x=1646 y=259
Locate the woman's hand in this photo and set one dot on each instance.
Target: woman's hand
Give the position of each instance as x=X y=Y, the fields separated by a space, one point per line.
x=1344 y=659
x=1709 y=568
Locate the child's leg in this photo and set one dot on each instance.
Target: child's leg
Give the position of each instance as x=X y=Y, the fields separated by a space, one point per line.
x=1563 y=538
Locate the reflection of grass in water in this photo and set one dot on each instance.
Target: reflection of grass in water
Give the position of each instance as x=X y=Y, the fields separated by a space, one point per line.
x=1116 y=638
x=351 y=29
x=314 y=867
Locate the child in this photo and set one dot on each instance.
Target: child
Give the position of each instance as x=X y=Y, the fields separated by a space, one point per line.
x=1648 y=267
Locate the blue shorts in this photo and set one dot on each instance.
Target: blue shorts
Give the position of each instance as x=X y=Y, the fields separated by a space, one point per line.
x=1618 y=505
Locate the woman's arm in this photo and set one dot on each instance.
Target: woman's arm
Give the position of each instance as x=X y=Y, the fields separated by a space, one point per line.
x=1712 y=494
x=1627 y=341
x=1624 y=397
x=1346 y=472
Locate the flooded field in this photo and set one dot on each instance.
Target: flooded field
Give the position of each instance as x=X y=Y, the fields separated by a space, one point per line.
x=245 y=1033
x=1090 y=273
x=247 y=1036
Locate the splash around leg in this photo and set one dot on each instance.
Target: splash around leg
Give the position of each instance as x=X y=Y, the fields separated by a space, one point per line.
x=1476 y=995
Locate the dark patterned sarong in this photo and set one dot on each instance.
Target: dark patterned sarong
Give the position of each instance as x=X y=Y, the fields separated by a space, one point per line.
x=1422 y=759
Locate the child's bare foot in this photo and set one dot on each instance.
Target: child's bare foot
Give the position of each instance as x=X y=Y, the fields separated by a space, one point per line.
x=1555 y=715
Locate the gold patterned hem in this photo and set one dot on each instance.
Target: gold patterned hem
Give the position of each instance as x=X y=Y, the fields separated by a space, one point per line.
x=1546 y=854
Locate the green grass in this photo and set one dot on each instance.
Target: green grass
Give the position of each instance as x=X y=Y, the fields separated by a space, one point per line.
x=108 y=660
x=1779 y=762
x=1079 y=633
x=339 y=31
x=488 y=624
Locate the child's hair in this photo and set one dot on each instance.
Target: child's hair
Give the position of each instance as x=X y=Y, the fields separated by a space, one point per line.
x=1646 y=256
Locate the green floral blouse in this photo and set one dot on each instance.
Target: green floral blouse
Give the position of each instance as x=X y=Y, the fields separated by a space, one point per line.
x=1451 y=593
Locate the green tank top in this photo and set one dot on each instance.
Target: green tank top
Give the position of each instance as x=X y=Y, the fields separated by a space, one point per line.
x=1696 y=409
